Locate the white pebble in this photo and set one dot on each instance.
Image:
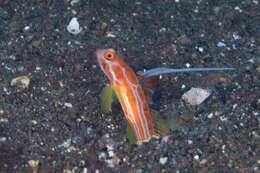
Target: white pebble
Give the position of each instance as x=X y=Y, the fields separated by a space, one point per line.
x=3 y=139
x=74 y=27
x=163 y=160
x=210 y=115
x=221 y=44
x=196 y=157
x=190 y=142
x=73 y=2
x=26 y=28
x=187 y=65
x=69 y=105
x=236 y=36
x=3 y=120
x=201 y=49
x=110 y=35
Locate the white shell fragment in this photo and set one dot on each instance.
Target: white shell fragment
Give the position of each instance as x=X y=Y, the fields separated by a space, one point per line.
x=163 y=160
x=73 y=2
x=196 y=96
x=21 y=82
x=34 y=165
x=74 y=27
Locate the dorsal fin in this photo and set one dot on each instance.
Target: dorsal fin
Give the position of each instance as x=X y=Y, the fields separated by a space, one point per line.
x=149 y=85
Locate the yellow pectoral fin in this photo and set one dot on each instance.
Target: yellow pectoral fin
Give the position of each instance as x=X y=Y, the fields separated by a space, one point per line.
x=107 y=97
x=160 y=125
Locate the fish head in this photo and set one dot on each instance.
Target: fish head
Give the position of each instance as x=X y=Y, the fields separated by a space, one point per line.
x=111 y=64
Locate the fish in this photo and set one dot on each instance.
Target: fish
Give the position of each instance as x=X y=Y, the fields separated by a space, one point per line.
x=128 y=89
x=129 y=93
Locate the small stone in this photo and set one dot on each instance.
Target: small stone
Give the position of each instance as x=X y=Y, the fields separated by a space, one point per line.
x=201 y=49
x=73 y=2
x=2 y=111
x=163 y=160
x=2 y=139
x=210 y=115
x=236 y=36
x=69 y=105
x=110 y=35
x=26 y=28
x=21 y=82
x=85 y=170
x=203 y=161
x=258 y=69
x=196 y=96
x=61 y=83
x=34 y=122
x=3 y=120
x=196 y=157
x=20 y=68
x=190 y=142
x=221 y=44
x=36 y=43
x=34 y=165
x=74 y=27
x=139 y=171
x=187 y=65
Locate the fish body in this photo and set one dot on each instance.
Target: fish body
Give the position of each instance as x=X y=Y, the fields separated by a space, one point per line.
x=129 y=92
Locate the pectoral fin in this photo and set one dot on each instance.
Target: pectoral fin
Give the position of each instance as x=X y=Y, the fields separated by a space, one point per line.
x=160 y=125
x=130 y=134
x=107 y=97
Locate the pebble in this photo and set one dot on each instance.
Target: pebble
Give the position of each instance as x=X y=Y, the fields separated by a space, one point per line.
x=139 y=171
x=21 y=81
x=36 y=43
x=20 y=68
x=34 y=165
x=196 y=157
x=163 y=160
x=110 y=35
x=73 y=2
x=258 y=68
x=2 y=139
x=26 y=28
x=196 y=96
x=69 y=105
x=74 y=27
x=201 y=49
x=203 y=161
x=210 y=115
x=3 y=120
x=187 y=65
x=236 y=36
x=221 y=44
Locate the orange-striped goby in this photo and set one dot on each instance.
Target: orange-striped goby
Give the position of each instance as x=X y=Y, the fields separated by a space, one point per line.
x=129 y=92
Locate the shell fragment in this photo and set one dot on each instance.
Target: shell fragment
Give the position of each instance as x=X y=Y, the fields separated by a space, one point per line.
x=196 y=96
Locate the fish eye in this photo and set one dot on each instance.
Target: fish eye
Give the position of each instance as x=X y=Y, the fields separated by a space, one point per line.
x=109 y=55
